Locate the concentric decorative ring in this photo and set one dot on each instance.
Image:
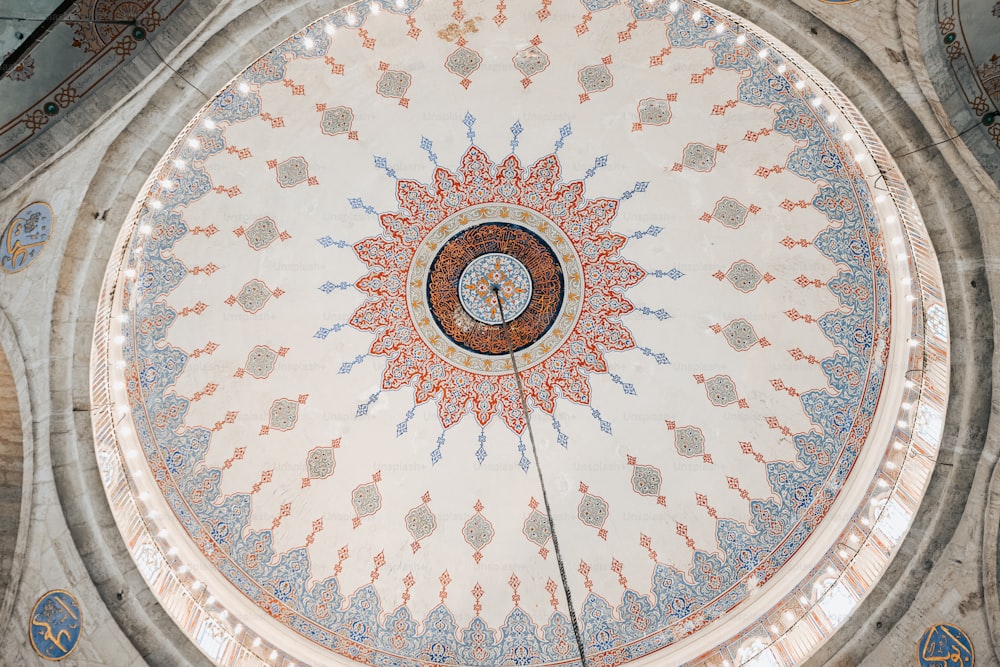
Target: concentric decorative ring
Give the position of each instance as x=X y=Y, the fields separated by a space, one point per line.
x=464 y=331
x=459 y=287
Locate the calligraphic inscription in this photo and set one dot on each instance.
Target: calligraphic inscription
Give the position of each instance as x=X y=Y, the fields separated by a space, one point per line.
x=56 y=625
x=945 y=645
x=519 y=262
x=25 y=236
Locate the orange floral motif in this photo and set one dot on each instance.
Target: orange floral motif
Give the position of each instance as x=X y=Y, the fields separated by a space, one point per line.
x=589 y=310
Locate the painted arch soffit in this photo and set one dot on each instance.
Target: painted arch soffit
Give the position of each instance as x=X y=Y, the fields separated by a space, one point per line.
x=728 y=327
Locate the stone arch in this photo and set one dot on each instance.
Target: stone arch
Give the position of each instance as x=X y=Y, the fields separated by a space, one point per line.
x=952 y=77
x=144 y=124
x=16 y=458
x=141 y=128
x=991 y=556
x=957 y=234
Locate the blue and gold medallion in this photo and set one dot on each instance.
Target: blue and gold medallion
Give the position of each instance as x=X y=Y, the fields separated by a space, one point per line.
x=945 y=645
x=24 y=237
x=55 y=625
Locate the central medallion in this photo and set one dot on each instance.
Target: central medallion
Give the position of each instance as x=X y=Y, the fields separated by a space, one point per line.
x=492 y=271
x=460 y=287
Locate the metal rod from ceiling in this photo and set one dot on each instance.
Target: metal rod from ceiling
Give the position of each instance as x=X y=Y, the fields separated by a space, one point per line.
x=541 y=481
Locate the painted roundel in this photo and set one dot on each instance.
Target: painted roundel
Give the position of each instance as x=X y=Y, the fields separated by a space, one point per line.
x=25 y=236
x=528 y=281
x=56 y=625
x=490 y=281
x=945 y=644
x=411 y=258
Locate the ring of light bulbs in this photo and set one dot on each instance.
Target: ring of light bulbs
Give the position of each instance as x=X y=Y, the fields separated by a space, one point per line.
x=782 y=638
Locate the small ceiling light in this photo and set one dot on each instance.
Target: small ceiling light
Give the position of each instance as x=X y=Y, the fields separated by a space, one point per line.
x=375 y=8
x=194 y=143
x=244 y=88
x=696 y=16
x=352 y=18
x=256 y=642
x=209 y=124
x=400 y=4
x=179 y=163
x=309 y=43
x=817 y=101
x=832 y=118
x=329 y=29
x=157 y=204
x=130 y=273
x=719 y=27
x=763 y=53
x=674 y=6
x=167 y=183
x=742 y=39
x=119 y=340
x=782 y=68
x=145 y=229
x=800 y=84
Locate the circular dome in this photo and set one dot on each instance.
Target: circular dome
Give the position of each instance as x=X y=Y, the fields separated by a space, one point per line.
x=453 y=334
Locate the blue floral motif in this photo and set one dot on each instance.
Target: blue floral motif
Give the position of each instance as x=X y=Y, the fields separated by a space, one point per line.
x=640 y=623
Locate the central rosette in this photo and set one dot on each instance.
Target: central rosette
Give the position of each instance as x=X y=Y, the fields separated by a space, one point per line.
x=529 y=281
x=549 y=250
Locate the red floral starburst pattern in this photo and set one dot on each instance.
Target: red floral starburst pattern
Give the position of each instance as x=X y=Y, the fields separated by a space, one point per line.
x=559 y=363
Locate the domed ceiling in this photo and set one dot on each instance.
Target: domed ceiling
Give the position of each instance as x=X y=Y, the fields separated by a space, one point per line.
x=457 y=333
